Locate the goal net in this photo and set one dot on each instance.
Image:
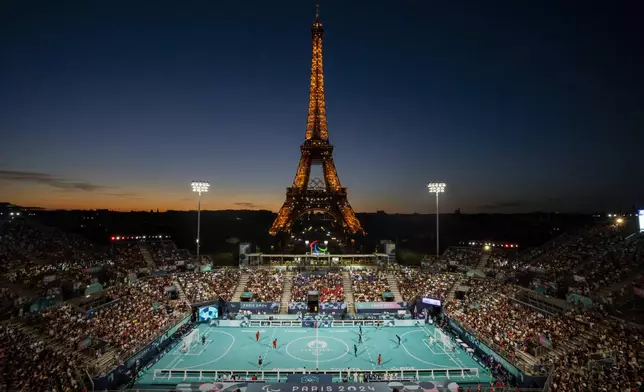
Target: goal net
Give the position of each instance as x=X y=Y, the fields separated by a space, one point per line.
x=443 y=340
x=191 y=339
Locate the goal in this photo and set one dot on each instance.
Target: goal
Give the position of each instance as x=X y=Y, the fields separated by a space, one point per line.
x=443 y=340
x=191 y=339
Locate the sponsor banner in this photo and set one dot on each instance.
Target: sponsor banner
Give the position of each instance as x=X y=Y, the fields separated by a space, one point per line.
x=313 y=386
x=309 y=378
x=248 y=386
x=325 y=307
x=268 y=307
x=380 y=307
x=317 y=323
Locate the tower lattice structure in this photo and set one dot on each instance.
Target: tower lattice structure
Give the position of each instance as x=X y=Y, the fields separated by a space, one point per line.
x=302 y=197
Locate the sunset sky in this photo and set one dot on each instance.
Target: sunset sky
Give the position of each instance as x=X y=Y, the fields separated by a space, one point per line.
x=517 y=107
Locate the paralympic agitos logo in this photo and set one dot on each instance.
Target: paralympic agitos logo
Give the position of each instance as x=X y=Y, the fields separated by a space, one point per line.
x=316 y=248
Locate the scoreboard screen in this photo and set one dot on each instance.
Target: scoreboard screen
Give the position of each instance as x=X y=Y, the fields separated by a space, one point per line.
x=208 y=313
x=641 y=219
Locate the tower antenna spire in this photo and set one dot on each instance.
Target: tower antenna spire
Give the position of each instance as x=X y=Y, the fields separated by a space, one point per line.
x=317 y=11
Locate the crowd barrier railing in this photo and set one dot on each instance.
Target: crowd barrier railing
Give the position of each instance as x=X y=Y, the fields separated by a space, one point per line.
x=324 y=323
x=280 y=375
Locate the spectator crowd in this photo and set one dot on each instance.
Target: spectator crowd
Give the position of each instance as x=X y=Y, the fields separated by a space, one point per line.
x=462 y=256
x=328 y=284
x=266 y=285
x=587 y=350
x=26 y=364
x=369 y=285
x=210 y=285
x=413 y=283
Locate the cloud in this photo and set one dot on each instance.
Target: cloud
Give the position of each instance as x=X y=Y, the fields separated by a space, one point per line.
x=49 y=179
x=246 y=205
x=503 y=204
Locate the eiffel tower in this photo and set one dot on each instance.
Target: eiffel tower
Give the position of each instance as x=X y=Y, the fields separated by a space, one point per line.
x=313 y=196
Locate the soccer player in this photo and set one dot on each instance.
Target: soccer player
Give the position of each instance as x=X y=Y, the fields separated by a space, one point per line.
x=398 y=339
x=184 y=348
x=360 y=326
x=260 y=361
x=379 y=359
x=257 y=336
x=355 y=350
x=360 y=338
x=203 y=340
x=274 y=344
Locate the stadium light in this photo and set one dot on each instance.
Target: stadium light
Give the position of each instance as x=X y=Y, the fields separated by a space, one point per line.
x=199 y=187
x=620 y=221
x=436 y=187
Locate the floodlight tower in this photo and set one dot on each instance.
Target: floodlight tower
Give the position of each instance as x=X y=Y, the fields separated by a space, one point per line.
x=199 y=187
x=436 y=187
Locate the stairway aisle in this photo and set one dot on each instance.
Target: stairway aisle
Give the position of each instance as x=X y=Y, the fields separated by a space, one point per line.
x=286 y=293
x=348 y=292
x=147 y=256
x=182 y=294
x=452 y=291
x=239 y=290
x=50 y=342
x=393 y=287
x=483 y=261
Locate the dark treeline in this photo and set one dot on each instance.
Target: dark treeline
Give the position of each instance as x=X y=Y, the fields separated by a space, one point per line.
x=222 y=230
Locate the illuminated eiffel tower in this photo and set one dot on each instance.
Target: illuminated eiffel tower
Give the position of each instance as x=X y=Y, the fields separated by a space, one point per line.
x=306 y=196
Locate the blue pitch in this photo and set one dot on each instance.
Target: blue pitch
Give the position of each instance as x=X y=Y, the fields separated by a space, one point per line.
x=235 y=349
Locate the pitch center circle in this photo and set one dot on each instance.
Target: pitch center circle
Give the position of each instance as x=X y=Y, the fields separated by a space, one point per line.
x=315 y=345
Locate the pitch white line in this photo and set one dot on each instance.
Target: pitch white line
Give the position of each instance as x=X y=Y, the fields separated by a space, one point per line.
x=448 y=354
x=270 y=344
x=432 y=350
x=203 y=348
x=219 y=357
x=415 y=357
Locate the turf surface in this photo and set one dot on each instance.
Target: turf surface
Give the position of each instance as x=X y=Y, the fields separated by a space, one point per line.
x=236 y=349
